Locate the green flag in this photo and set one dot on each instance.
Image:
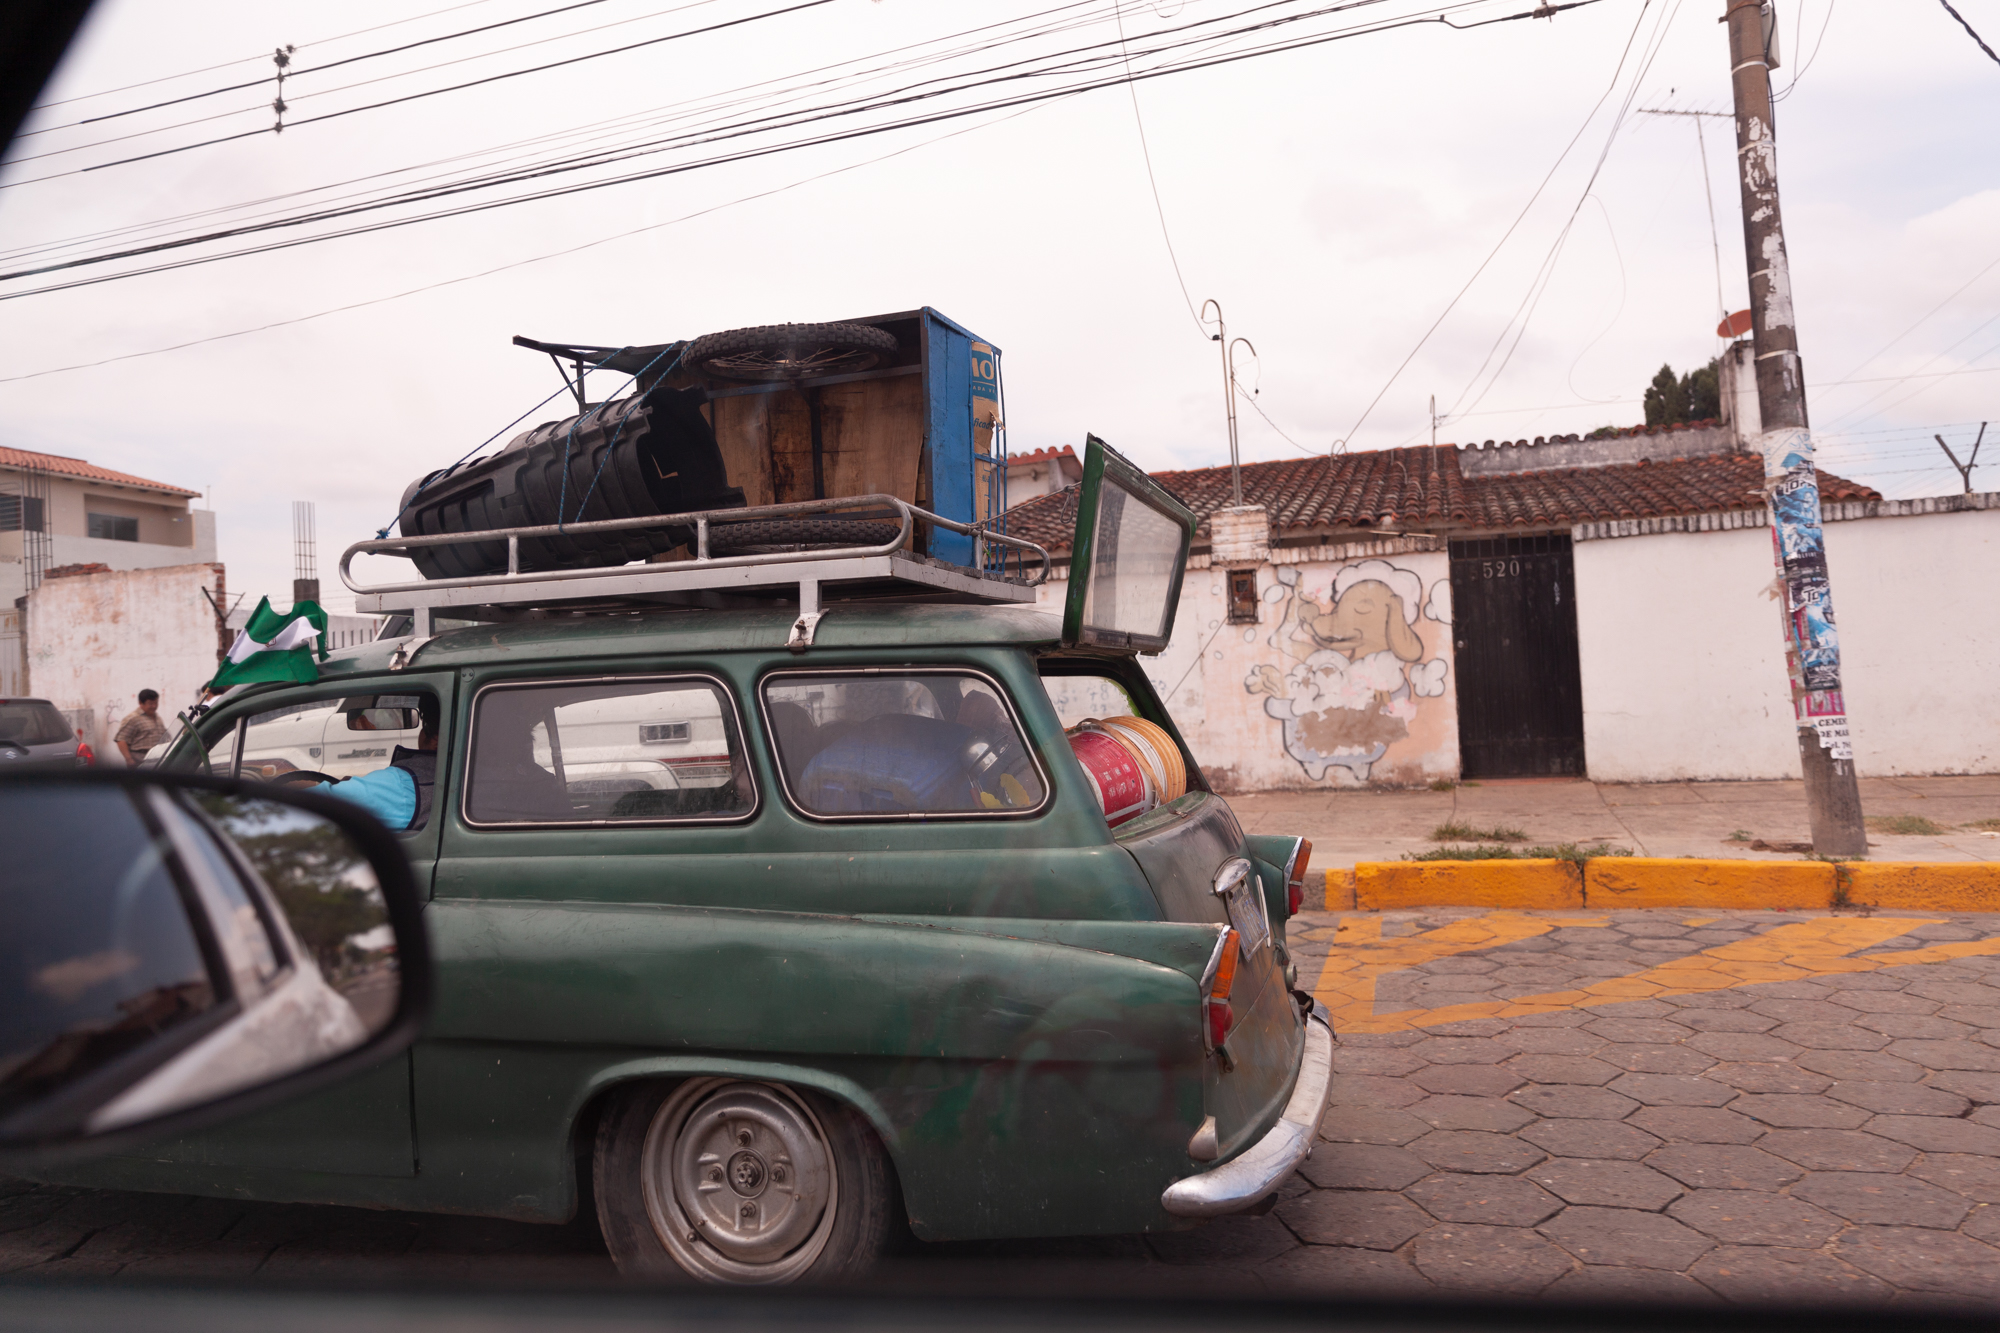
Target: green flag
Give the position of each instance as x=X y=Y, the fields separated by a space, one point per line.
x=275 y=647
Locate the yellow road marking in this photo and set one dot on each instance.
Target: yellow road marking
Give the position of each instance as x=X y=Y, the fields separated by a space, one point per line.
x=1797 y=950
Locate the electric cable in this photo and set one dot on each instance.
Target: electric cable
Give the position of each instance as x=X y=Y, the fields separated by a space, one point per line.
x=1146 y=153
x=1968 y=29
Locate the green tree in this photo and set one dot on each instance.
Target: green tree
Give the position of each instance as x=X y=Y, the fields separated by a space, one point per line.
x=1696 y=396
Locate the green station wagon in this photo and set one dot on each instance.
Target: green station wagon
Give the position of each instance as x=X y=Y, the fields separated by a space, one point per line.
x=785 y=927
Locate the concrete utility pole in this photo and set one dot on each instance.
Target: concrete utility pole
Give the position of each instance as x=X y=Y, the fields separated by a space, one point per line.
x=1812 y=646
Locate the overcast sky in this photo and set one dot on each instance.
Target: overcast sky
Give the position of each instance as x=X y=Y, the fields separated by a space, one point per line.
x=1334 y=199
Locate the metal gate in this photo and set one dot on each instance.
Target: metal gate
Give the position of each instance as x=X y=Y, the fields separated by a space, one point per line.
x=1520 y=690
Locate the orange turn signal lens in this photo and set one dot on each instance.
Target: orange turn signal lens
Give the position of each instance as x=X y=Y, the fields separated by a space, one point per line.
x=1295 y=889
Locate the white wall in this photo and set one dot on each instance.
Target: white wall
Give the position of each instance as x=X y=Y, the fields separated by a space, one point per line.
x=96 y=640
x=1683 y=662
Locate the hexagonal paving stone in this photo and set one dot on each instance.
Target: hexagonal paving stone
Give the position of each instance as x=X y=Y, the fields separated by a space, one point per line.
x=1386 y=1061
x=1976 y=1015
x=1652 y=1031
x=1372 y=1221
x=1789 y=1011
x=1927 y=1026
x=1363 y=1166
x=1837 y=1150
x=1379 y=1040
x=1724 y=1166
x=1983 y=1224
x=1468 y=1080
x=1696 y=1124
x=1627 y=1286
x=1574 y=1102
x=1786 y=1110
x=1361 y=1124
x=1673 y=1090
x=1651 y=1058
x=1488 y=1260
x=1947 y=1054
x=1626 y=1237
x=1462 y=1051
x=1472 y=966
x=1636 y=1009
x=1591 y=1138
x=1884 y=1002
x=1953 y=992
x=1876 y=1066
x=1346 y=1273
x=1830 y=1036
x=1968 y=1083
x=1865 y=1196
x=1487 y=1113
x=1752 y=1217
x=1726 y=1020
x=1710 y=999
x=1555 y=1041
x=1743 y=1046
x=1593 y=1183
x=1899 y=1098
x=1919 y=1259
x=1580 y=1069
x=1553 y=1018
x=1974 y=1177
x=1489 y=1200
x=1224 y=1241
x=1643 y=929
x=1767 y=1275
x=1371 y=1090
x=1769 y=1078
x=1477 y=1152
x=1934 y=1133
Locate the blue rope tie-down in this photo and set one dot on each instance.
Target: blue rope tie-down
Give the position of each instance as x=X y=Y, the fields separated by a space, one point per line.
x=677 y=349
x=383 y=534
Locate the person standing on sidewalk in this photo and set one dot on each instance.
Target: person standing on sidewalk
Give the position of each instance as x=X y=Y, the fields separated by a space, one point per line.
x=142 y=729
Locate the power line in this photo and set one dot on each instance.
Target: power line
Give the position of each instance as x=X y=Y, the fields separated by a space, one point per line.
x=1511 y=227
x=520 y=263
x=244 y=60
x=474 y=83
x=1159 y=209
x=1968 y=28
x=1091 y=83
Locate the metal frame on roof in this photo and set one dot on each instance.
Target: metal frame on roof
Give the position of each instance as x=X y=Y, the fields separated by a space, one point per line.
x=887 y=567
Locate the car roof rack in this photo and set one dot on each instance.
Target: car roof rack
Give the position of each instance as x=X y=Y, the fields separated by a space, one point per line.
x=885 y=569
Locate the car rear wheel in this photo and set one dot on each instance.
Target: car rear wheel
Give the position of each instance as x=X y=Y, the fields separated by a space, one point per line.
x=740 y=1183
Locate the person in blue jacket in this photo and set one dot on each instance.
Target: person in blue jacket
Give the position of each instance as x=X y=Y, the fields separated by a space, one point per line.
x=399 y=795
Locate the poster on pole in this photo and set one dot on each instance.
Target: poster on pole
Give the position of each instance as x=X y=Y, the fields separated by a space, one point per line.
x=1793 y=485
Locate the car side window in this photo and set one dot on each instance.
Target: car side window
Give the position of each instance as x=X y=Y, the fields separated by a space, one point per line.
x=922 y=743
x=639 y=751
x=1081 y=698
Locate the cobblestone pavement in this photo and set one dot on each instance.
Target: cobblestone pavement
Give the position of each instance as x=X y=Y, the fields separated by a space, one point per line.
x=1642 y=1105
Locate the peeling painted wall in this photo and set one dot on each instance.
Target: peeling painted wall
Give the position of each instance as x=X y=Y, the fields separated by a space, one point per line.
x=96 y=640
x=1344 y=680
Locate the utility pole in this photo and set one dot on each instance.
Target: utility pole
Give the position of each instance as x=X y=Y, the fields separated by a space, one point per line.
x=1221 y=335
x=1791 y=484
x=1971 y=462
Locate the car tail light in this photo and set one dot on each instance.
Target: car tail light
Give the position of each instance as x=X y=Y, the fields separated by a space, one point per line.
x=1295 y=887
x=1221 y=979
x=85 y=756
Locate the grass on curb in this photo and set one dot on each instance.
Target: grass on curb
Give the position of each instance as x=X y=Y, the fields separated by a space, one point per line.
x=1455 y=831
x=1987 y=825
x=1443 y=784
x=1911 y=825
x=1741 y=835
x=1564 y=851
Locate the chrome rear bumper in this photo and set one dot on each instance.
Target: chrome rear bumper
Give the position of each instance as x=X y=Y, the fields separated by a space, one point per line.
x=1263 y=1166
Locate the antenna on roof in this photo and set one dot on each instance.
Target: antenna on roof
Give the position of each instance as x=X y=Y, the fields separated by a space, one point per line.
x=305 y=553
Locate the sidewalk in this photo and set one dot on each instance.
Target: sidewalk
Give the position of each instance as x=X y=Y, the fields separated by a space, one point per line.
x=1649 y=819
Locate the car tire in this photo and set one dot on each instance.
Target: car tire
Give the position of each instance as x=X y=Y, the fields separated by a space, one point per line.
x=740 y=1183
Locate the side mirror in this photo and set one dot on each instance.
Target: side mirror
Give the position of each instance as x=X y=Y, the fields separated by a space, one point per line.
x=176 y=951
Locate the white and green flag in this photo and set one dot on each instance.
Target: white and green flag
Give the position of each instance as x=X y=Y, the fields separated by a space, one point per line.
x=275 y=647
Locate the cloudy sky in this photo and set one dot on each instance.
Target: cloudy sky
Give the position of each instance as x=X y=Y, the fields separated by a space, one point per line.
x=1335 y=198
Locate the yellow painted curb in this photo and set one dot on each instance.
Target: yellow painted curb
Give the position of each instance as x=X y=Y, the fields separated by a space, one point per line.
x=1518 y=884
x=1925 y=886
x=1644 y=881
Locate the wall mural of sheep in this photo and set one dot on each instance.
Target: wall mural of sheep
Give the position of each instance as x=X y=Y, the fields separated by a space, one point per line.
x=1357 y=663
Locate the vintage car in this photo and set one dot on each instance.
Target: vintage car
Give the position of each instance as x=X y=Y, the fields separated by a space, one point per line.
x=873 y=961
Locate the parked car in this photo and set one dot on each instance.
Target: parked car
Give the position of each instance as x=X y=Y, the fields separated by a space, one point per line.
x=786 y=945
x=33 y=732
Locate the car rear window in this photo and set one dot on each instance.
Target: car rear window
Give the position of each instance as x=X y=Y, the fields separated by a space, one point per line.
x=862 y=746
x=607 y=752
x=36 y=723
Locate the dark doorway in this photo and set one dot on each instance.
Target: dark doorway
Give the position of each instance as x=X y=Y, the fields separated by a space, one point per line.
x=1520 y=691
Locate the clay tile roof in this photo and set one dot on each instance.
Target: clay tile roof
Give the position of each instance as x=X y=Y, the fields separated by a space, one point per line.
x=76 y=467
x=1038 y=455
x=1421 y=488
